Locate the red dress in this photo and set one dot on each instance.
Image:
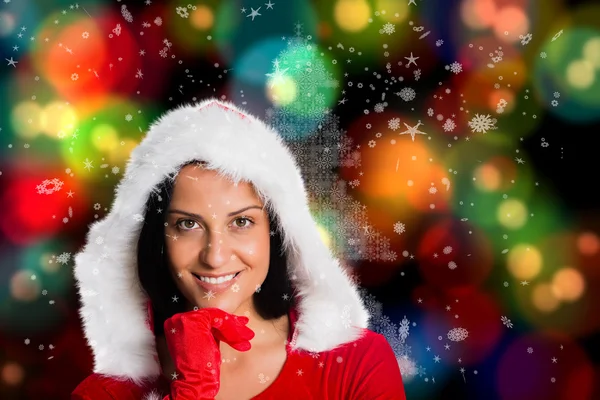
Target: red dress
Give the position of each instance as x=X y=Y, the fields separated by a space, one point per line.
x=364 y=369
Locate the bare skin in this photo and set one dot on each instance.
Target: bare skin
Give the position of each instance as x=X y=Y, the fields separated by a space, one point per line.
x=219 y=244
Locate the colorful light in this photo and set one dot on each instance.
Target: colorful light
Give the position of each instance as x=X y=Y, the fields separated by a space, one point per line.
x=568 y=284
x=524 y=262
x=542 y=297
x=512 y=213
x=352 y=15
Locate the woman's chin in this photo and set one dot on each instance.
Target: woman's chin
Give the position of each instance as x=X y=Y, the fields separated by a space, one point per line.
x=223 y=302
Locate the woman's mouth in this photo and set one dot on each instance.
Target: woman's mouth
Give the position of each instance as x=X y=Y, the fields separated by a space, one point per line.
x=216 y=285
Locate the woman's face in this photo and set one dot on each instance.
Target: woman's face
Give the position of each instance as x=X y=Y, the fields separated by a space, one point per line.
x=208 y=236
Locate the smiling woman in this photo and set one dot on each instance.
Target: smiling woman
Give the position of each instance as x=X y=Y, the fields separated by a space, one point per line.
x=209 y=278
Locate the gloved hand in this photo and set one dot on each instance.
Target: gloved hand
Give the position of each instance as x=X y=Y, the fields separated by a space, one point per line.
x=193 y=339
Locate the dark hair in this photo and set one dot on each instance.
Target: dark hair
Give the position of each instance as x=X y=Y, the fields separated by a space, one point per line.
x=157 y=281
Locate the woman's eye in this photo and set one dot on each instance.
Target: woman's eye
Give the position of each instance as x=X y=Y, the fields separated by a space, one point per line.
x=249 y=222
x=186 y=224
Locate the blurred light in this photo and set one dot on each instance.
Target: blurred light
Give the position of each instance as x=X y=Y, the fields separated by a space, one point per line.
x=396 y=11
x=588 y=243
x=202 y=17
x=543 y=298
x=282 y=91
x=504 y=94
x=48 y=264
x=511 y=20
x=478 y=14
x=568 y=284
x=581 y=74
x=524 y=262
x=7 y=23
x=59 y=119
x=12 y=374
x=325 y=237
x=512 y=213
x=591 y=52
x=26 y=119
x=56 y=120
x=352 y=15
x=24 y=286
x=104 y=137
x=487 y=177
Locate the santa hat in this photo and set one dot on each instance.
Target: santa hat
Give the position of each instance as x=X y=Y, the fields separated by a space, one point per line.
x=239 y=147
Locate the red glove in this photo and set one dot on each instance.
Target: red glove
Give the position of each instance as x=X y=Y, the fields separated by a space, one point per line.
x=193 y=340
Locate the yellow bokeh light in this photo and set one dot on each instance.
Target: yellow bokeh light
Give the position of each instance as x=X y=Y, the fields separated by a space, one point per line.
x=591 y=52
x=59 y=119
x=352 y=15
x=581 y=74
x=27 y=119
x=202 y=18
x=104 y=137
x=123 y=151
x=282 y=91
x=512 y=213
x=568 y=284
x=524 y=262
x=395 y=11
x=487 y=178
x=543 y=298
x=325 y=238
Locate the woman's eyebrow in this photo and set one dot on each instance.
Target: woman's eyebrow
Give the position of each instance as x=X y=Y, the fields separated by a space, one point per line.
x=198 y=216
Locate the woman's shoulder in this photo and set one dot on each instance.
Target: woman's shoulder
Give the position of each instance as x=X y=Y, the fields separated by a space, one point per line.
x=103 y=387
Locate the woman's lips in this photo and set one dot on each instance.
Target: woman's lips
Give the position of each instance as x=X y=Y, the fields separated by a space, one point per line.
x=217 y=287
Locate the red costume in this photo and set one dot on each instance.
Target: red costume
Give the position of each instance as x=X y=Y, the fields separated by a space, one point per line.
x=364 y=369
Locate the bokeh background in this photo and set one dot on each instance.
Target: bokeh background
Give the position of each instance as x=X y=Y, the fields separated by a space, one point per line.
x=449 y=148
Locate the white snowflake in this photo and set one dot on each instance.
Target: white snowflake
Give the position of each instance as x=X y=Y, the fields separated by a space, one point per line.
x=543 y=54
x=530 y=350
x=404 y=328
x=455 y=67
x=388 y=28
x=379 y=108
x=417 y=73
x=482 y=123
x=430 y=112
x=452 y=265
x=439 y=42
x=407 y=94
x=447 y=250
x=449 y=125
x=506 y=322
x=128 y=117
x=458 y=334
x=399 y=228
x=63 y=258
x=525 y=39
x=182 y=12
x=394 y=123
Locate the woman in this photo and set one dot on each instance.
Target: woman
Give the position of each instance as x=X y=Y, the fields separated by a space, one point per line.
x=209 y=280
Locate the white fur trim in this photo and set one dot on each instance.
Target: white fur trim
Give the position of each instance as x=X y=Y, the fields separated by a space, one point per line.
x=330 y=310
x=153 y=395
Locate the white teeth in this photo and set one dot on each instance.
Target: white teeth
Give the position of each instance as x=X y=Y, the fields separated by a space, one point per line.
x=217 y=280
